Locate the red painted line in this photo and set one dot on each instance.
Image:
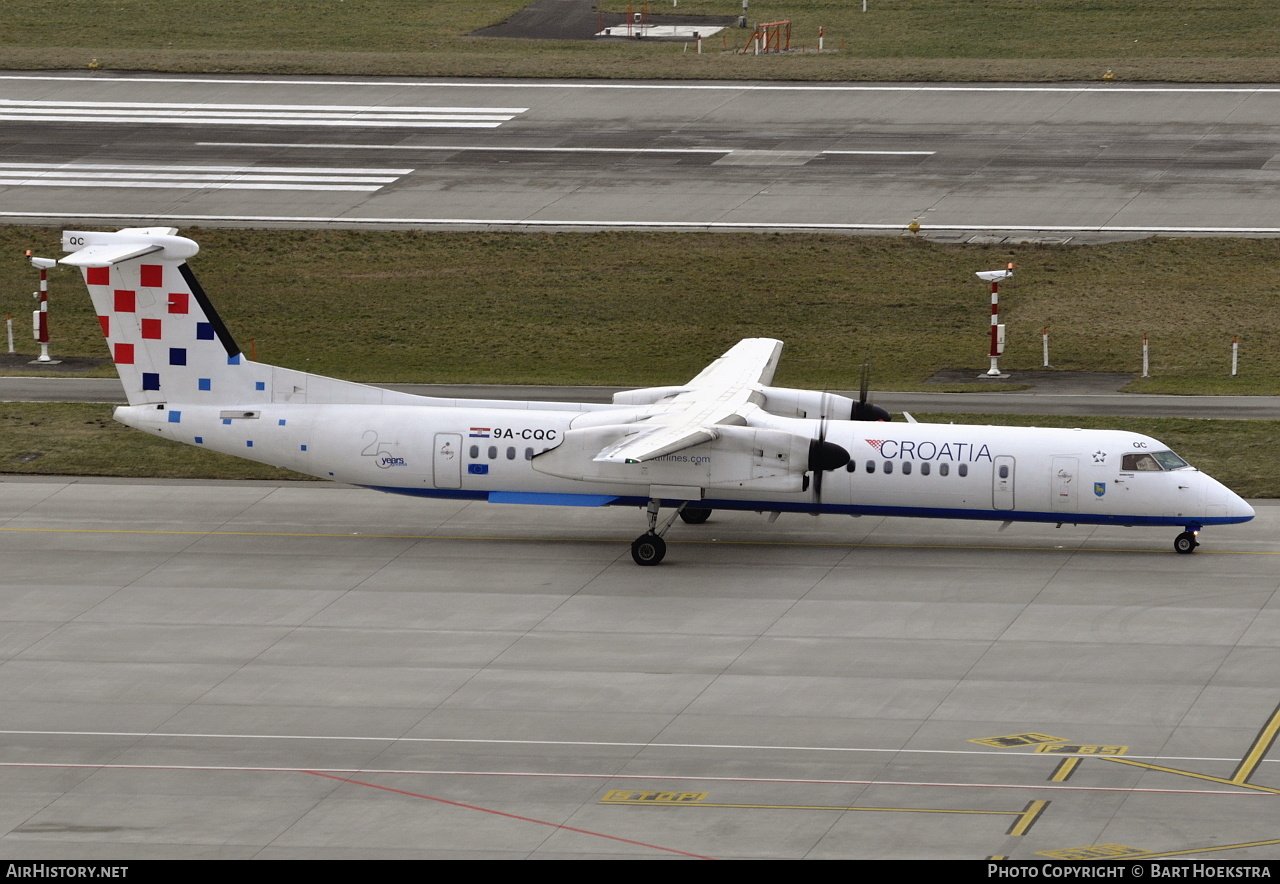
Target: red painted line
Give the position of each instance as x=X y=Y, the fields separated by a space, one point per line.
x=512 y=816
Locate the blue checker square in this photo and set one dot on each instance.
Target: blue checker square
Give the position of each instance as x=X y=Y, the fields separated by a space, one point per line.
x=249 y=443
x=281 y=423
x=175 y=417
x=304 y=448
x=204 y=331
x=260 y=385
x=199 y=440
x=150 y=380
x=205 y=383
x=226 y=421
x=177 y=355
x=233 y=360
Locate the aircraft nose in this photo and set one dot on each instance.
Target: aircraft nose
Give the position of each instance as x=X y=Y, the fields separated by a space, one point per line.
x=1239 y=508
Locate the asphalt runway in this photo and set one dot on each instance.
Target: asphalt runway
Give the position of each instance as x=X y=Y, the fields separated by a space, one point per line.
x=200 y=669
x=1083 y=161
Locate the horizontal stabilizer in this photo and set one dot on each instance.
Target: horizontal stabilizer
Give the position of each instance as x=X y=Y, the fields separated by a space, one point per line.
x=104 y=255
x=94 y=248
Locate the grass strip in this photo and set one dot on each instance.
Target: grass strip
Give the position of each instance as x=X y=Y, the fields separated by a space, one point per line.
x=640 y=309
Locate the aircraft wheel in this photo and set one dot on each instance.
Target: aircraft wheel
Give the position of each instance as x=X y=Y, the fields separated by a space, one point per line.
x=1185 y=543
x=648 y=549
x=694 y=516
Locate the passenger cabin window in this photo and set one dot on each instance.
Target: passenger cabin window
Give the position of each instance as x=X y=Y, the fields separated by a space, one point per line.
x=906 y=468
x=528 y=454
x=924 y=468
x=888 y=467
x=1004 y=471
x=493 y=452
x=475 y=451
x=963 y=469
x=871 y=466
x=511 y=453
x=943 y=469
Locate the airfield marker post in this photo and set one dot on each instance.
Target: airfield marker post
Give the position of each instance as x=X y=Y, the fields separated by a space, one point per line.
x=820 y=30
x=1146 y=363
x=1235 y=354
x=1044 y=337
x=698 y=36
x=41 y=316
x=8 y=321
x=997 y=343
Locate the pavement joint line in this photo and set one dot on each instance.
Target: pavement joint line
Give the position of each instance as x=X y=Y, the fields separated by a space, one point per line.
x=624 y=777
x=834 y=544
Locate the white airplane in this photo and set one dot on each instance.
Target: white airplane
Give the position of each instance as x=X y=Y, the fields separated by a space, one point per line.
x=727 y=439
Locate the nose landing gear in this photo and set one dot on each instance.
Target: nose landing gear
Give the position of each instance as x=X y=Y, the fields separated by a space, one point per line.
x=1186 y=543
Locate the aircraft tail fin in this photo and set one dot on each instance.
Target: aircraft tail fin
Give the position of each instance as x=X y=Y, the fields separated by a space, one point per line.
x=167 y=340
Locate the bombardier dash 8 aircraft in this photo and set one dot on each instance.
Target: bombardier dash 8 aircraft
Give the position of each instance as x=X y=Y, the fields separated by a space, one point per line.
x=725 y=440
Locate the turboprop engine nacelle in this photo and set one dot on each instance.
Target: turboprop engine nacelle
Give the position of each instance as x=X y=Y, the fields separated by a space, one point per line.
x=811 y=404
x=741 y=457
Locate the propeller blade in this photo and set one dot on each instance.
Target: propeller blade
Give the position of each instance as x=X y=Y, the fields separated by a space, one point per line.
x=863 y=410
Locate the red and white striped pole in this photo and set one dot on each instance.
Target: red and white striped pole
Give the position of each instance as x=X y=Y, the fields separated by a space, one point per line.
x=995 y=277
x=1235 y=355
x=42 y=315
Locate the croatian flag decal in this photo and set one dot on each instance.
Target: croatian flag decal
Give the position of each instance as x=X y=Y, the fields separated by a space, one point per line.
x=480 y=432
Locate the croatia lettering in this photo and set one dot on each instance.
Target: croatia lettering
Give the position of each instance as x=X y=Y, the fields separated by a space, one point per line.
x=906 y=449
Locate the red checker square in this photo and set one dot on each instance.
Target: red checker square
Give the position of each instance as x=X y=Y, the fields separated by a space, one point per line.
x=123 y=354
x=126 y=301
x=179 y=302
x=151 y=329
x=105 y=322
x=152 y=276
x=97 y=275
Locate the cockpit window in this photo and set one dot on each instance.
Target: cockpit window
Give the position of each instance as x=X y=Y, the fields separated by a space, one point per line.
x=1151 y=462
x=1169 y=461
x=1140 y=463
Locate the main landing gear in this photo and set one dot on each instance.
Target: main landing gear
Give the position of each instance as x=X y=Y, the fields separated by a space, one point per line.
x=1186 y=542
x=649 y=548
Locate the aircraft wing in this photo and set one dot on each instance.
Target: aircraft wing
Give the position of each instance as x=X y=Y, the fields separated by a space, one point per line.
x=720 y=395
x=751 y=360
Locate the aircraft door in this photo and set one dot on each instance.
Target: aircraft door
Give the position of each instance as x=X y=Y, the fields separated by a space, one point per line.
x=1062 y=485
x=446 y=461
x=1002 y=483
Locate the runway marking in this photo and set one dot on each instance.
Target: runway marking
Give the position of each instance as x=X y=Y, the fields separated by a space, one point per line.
x=1108 y=90
x=348 y=221
x=18 y=174
x=1064 y=770
x=511 y=816
x=1189 y=773
x=470 y=147
x=1027 y=818
x=613 y=775
x=509 y=149
x=190 y=113
x=1256 y=752
x=1024 y=818
x=1209 y=849
x=832 y=544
